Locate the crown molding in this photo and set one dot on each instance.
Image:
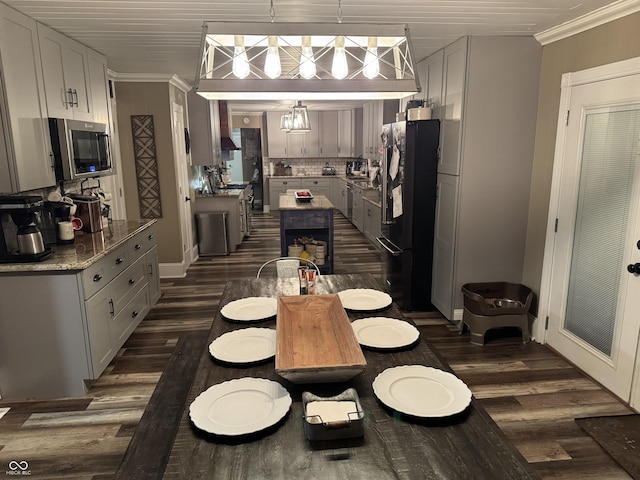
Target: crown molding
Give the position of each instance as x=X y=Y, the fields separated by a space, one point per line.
x=151 y=77
x=598 y=17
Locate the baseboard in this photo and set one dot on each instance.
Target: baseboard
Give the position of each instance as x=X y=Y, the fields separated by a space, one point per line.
x=457 y=315
x=266 y=209
x=173 y=270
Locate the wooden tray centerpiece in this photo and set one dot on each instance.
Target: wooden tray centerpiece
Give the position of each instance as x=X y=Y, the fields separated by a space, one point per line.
x=314 y=340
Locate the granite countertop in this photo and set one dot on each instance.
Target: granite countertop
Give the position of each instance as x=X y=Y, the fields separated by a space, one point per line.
x=87 y=248
x=319 y=202
x=228 y=192
x=359 y=181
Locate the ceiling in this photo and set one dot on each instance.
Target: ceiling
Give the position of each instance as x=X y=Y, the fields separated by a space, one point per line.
x=163 y=36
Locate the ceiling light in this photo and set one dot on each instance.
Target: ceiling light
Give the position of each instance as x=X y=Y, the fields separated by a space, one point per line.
x=241 y=67
x=371 y=68
x=307 y=62
x=272 y=63
x=285 y=122
x=339 y=66
x=317 y=61
x=300 y=119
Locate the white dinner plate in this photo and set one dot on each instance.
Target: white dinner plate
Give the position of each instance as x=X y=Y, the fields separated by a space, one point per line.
x=383 y=332
x=364 y=299
x=422 y=391
x=250 y=309
x=246 y=345
x=239 y=407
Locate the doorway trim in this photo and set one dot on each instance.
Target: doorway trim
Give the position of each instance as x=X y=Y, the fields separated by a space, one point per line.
x=569 y=80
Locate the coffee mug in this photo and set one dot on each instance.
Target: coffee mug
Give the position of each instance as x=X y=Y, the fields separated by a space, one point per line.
x=65 y=230
x=76 y=222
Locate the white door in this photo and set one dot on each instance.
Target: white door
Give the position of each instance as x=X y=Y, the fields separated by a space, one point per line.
x=593 y=298
x=182 y=176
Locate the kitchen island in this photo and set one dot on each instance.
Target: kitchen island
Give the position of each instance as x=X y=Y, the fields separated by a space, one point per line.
x=167 y=445
x=310 y=219
x=65 y=318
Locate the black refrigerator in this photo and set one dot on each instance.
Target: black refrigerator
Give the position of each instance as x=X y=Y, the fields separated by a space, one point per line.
x=410 y=164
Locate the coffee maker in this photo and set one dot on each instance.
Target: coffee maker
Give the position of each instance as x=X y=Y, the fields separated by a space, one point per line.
x=20 y=238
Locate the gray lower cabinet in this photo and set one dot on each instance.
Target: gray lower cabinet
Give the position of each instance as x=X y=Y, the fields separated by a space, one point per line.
x=317 y=186
x=372 y=221
x=357 y=208
x=60 y=328
x=278 y=186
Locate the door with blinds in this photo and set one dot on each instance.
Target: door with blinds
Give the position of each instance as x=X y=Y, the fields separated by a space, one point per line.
x=594 y=289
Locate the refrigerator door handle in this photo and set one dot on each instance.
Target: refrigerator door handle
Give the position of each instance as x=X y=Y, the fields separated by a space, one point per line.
x=388 y=246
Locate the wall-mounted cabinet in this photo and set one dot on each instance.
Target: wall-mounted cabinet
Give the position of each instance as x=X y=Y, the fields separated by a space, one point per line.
x=25 y=160
x=65 y=67
x=346 y=134
x=204 y=130
x=331 y=136
x=374 y=115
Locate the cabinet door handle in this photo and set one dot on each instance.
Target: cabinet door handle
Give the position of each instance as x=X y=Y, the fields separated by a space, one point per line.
x=75 y=94
x=151 y=236
x=112 y=310
x=150 y=268
x=132 y=281
x=137 y=247
x=119 y=261
x=97 y=277
x=285 y=182
x=69 y=101
x=134 y=314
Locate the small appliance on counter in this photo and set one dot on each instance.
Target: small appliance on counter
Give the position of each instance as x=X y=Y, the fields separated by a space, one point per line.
x=89 y=212
x=20 y=238
x=328 y=170
x=53 y=214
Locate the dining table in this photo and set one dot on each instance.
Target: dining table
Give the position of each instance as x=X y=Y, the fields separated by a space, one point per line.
x=394 y=445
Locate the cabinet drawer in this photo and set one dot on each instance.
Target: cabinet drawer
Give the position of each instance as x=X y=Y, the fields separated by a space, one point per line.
x=309 y=219
x=141 y=243
x=127 y=284
x=125 y=322
x=316 y=182
x=99 y=274
x=285 y=183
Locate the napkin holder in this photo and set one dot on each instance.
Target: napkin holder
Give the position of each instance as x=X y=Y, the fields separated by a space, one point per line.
x=316 y=430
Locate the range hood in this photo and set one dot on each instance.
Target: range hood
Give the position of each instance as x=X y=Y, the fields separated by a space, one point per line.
x=226 y=142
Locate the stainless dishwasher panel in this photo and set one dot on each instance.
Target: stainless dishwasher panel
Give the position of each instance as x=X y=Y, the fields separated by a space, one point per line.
x=212 y=233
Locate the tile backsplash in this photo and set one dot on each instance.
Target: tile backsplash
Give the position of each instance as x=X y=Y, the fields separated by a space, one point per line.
x=308 y=166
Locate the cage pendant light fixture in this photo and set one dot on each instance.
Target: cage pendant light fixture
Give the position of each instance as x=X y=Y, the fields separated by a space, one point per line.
x=305 y=61
x=300 y=119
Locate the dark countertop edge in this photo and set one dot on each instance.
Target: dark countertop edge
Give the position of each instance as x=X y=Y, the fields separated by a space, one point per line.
x=70 y=266
x=377 y=203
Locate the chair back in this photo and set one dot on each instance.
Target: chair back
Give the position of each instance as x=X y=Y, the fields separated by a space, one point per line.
x=287 y=267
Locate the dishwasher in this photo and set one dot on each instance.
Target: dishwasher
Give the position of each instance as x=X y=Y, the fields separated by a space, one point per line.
x=212 y=233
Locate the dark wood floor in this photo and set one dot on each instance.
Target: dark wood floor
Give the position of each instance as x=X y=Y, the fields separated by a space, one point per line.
x=531 y=393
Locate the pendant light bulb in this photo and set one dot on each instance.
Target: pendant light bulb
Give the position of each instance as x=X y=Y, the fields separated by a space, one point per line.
x=240 y=66
x=272 y=66
x=339 y=67
x=371 y=68
x=307 y=61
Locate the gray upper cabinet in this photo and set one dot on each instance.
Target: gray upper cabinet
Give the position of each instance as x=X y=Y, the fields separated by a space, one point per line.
x=346 y=134
x=25 y=161
x=328 y=133
x=98 y=83
x=453 y=86
x=204 y=130
x=66 y=73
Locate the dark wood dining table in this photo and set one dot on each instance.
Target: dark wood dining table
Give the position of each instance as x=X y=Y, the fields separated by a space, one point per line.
x=468 y=445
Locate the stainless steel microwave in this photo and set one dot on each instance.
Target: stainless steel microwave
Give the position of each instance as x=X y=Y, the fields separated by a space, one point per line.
x=80 y=149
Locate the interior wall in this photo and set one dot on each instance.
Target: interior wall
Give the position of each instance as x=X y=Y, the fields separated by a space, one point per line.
x=608 y=43
x=151 y=98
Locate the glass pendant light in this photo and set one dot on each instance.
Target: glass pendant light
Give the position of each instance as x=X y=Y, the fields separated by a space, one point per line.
x=300 y=119
x=241 y=66
x=339 y=67
x=272 y=63
x=285 y=122
x=371 y=67
x=307 y=61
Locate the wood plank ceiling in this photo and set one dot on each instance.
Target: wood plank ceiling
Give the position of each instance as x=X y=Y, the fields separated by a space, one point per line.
x=163 y=36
